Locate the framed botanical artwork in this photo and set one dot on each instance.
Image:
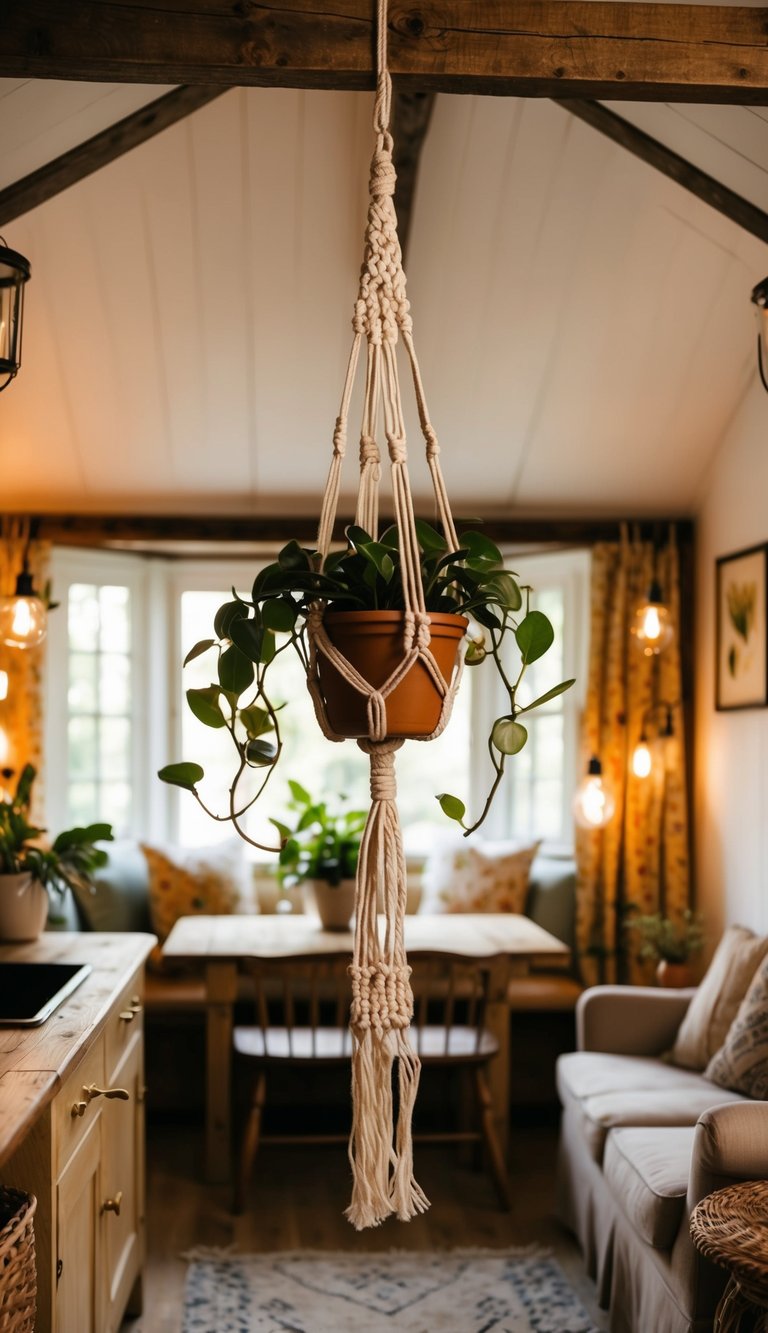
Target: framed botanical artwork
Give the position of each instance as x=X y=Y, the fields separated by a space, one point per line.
x=742 y=629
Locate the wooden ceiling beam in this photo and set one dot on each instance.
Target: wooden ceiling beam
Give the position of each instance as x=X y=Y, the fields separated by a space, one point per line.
x=102 y=149
x=669 y=163
x=598 y=49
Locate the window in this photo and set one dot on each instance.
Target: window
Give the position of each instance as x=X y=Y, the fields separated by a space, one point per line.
x=116 y=711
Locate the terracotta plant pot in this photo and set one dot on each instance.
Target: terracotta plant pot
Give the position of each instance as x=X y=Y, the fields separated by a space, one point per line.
x=674 y=976
x=335 y=903
x=372 y=642
x=23 y=908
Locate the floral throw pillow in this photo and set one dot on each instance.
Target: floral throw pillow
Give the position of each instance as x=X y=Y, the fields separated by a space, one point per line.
x=487 y=881
x=192 y=882
x=741 y=1064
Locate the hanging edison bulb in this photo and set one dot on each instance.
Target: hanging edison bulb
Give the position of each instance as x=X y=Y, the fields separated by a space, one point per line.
x=642 y=759
x=23 y=617
x=3 y=685
x=593 y=804
x=652 y=629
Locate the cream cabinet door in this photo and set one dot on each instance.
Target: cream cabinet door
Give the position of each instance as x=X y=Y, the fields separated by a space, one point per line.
x=79 y=1284
x=122 y=1183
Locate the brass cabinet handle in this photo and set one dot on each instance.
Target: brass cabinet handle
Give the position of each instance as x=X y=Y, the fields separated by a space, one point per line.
x=113 y=1205
x=92 y=1091
x=128 y=1015
x=136 y=1004
x=78 y=1108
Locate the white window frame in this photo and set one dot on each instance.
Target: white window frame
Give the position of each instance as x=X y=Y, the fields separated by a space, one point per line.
x=570 y=571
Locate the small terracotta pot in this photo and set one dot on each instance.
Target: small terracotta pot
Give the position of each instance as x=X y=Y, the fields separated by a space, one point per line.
x=334 y=903
x=23 y=908
x=674 y=976
x=372 y=642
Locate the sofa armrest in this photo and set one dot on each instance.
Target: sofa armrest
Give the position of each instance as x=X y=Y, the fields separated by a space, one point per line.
x=731 y=1144
x=629 y=1020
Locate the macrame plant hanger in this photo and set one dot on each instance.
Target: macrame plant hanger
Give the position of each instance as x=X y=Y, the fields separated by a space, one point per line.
x=380 y=1152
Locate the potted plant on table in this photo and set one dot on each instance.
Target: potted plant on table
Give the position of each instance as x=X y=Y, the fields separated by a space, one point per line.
x=670 y=944
x=358 y=591
x=30 y=870
x=320 y=848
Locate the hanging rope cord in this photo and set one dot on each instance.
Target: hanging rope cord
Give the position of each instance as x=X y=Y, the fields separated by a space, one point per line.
x=380 y=1151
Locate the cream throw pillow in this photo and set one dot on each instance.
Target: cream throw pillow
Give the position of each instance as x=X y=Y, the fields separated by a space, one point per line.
x=717 y=999
x=742 y=1061
x=488 y=882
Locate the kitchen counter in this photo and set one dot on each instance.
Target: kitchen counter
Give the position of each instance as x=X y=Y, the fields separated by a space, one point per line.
x=34 y=1062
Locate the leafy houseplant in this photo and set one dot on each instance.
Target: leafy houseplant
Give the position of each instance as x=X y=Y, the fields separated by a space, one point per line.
x=30 y=870
x=468 y=582
x=320 y=847
x=669 y=943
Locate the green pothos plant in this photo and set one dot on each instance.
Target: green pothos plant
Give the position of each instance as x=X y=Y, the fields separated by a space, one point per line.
x=250 y=634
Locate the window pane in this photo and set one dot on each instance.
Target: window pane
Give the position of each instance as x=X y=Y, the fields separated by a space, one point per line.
x=83 y=620
x=548 y=739
x=82 y=802
x=82 y=683
x=548 y=806
x=115 y=624
x=115 y=674
x=83 y=748
x=115 y=806
x=115 y=747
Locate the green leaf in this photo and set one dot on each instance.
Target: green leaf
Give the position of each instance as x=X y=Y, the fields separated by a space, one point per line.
x=256 y=721
x=282 y=829
x=235 y=670
x=268 y=648
x=534 y=635
x=226 y=614
x=200 y=647
x=294 y=556
x=248 y=636
x=279 y=614
x=481 y=548
x=260 y=753
x=429 y=538
x=475 y=654
x=299 y=793
x=290 y=853
x=550 y=694
x=452 y=807
x=358 y=537
x=380 y=559
x=182 y=775
x=506 y=591
x=508 y=736
x=205 y=705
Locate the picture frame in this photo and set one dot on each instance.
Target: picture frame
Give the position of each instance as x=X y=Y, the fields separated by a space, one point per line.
x=741 y=639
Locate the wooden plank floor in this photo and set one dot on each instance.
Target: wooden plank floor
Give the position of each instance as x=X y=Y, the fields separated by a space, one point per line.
x=298 y=1200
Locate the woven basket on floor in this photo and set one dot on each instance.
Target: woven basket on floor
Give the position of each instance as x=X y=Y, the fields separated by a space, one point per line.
x=18 y=1280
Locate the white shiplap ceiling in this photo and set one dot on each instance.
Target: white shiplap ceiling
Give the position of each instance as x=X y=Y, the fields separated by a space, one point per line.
x=583 y=323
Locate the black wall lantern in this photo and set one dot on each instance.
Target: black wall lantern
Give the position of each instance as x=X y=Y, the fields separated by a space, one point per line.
x=760 y=300
x=14 y=273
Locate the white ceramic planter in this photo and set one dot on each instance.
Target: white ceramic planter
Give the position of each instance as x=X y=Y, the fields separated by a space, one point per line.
x=334 y=903
x=23 y=908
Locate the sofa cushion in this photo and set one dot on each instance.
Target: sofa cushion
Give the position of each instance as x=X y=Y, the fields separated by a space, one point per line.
x=119 y=897
x=717 y=999
x=616 y=1090
x=742 y=1061
x=647 y=1171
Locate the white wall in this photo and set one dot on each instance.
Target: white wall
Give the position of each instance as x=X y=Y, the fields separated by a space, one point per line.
x=731 y=748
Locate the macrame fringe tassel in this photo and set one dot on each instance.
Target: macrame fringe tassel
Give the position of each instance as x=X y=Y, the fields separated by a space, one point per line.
x=380 y=1152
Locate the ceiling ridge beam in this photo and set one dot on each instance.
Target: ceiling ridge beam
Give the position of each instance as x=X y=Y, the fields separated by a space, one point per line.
x=105 y=147
x=733 y=206
x=600 y=49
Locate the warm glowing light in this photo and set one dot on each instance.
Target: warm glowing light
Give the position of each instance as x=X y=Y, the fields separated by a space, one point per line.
x=3 y=685
x=593 y=804
x=5 y=748
x=23 y=621
x=652 y=629
x=642 y=762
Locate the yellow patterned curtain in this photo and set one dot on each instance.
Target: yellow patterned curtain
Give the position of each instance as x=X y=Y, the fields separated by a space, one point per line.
x=21 y=712
x=641 y=857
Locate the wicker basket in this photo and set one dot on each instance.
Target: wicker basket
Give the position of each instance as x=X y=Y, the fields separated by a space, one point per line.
x=18 y=1280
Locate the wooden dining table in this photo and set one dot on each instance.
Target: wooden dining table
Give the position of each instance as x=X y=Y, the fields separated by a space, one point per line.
x=221 y=943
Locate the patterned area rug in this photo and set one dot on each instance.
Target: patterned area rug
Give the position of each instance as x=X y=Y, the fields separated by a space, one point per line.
x=462 y=1291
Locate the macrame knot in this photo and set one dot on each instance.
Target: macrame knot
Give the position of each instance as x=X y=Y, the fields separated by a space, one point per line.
x=423 y=630
x=433 y=448
x=369 y=450
x=340 y=438
x=383 y=782
x=397 y=450
x=383 y=174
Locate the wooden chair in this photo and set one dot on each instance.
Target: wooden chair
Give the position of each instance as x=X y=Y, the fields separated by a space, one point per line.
x=302 y=1012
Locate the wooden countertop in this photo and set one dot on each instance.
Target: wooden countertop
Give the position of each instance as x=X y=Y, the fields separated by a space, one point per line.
x=35 y=1061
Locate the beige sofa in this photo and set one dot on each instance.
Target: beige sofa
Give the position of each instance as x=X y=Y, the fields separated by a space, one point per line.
x=641 y=1142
